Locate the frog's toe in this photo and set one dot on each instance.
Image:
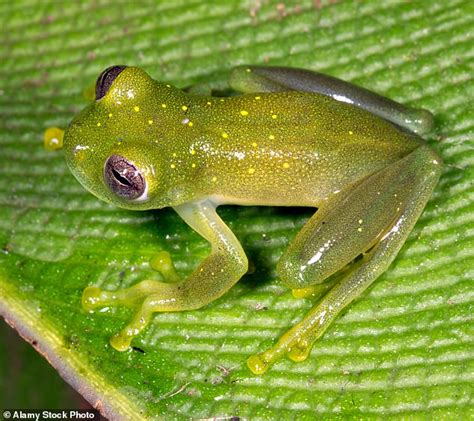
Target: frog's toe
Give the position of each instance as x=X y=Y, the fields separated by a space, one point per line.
x=163 y=263
x=91 y=298
x=299 y=351
x=305 y=292
x=257 y=364
x=120 y=341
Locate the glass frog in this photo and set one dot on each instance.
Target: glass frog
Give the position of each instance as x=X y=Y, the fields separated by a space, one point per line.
x=292 y=137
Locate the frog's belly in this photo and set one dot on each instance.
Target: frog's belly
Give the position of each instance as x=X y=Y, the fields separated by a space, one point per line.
x=261 y=201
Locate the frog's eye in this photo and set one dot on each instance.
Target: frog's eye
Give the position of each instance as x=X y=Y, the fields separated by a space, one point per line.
x=105 y=80
x=123 y=178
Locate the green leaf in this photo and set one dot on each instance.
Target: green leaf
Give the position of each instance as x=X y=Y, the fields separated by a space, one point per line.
x=403 y=350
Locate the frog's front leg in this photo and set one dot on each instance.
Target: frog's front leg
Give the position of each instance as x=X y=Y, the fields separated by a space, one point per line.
x=372 y=219
x=225 y=265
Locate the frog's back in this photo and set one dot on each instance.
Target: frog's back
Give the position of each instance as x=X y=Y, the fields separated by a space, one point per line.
x=302 y=144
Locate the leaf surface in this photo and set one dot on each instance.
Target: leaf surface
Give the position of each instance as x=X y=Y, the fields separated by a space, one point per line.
x=403 y=349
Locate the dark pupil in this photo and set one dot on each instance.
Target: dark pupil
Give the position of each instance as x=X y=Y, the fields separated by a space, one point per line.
x=123 y=178
x=119 y=178
x=106 y=79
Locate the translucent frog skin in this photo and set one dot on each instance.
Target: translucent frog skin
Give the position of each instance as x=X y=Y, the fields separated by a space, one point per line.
x=292 y=138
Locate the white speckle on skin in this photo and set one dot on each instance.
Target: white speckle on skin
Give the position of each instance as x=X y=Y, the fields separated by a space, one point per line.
x=239 y=155
x=80 y=148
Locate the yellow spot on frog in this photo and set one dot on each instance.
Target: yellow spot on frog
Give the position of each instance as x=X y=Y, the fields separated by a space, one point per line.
x=193 y=152
x=271 y=137
x=254 y=144
x=136 y=108
x=53 y=138
x=209 y=102
x=286 y=165
x=190 y=124
x=248 y=70
x=193 y=165
x=174 y=155
x=214 y=178
x=184 y=108
x=258 y=97
x=351 y=132
x=150 y=122
x=98 y=124
x=274 y=116
x=225 y=135
x=359 y=229
x=173 y=166
x=163 y=105
x=110 y=115
x=244 y=113
x=360 y=221
x=251 y=170
x=79 y=156
x=168 y=86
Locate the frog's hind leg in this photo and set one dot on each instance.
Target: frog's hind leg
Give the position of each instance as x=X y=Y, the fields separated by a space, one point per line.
x=250 y=79
x=396 y=196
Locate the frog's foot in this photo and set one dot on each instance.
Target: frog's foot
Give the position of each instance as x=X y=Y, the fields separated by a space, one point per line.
x=296 y=343
x=149 y=296
x=122 y=340
x=93 y=297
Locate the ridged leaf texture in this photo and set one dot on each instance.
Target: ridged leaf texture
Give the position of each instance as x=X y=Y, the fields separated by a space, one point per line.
x=403 y=350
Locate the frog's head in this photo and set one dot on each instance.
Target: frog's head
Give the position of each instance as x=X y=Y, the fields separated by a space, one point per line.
x=112 y=146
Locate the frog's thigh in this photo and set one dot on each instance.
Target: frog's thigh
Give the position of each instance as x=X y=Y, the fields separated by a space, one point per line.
x=215 y=275
x=410 y=183
x=344 y=227
x=250 y=79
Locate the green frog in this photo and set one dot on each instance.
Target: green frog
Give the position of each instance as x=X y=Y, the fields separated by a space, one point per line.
x=292 y=137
